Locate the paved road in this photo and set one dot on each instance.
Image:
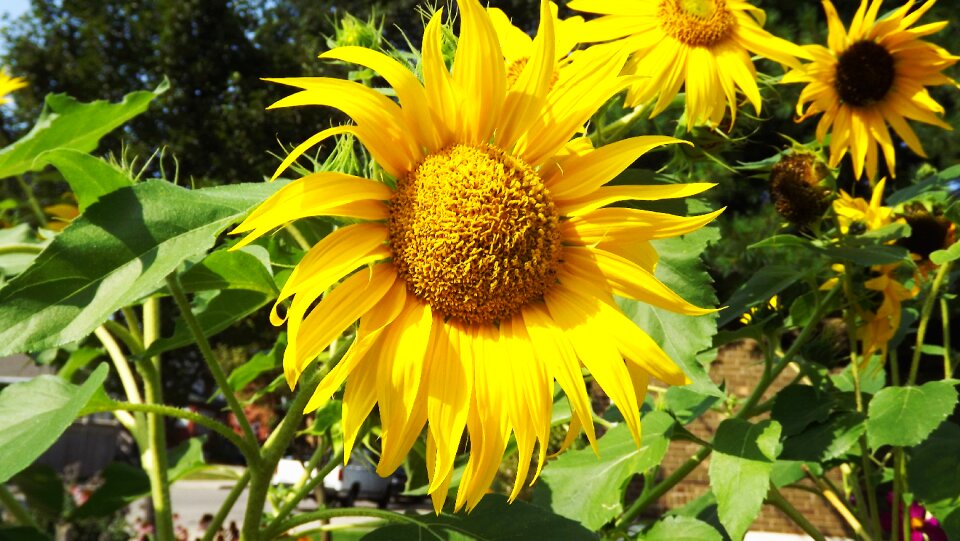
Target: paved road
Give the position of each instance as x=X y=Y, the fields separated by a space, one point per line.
x=194 y=499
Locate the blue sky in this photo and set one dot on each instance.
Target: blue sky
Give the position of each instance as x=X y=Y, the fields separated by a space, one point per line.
x=14 y=7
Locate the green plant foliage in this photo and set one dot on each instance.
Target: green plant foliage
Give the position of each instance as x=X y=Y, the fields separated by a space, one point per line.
x=934 y=476
x=43 y=490
x=34 y=413
x=120 y=250
x=905 y=416
x=579 y=476
x=797 y=406
x=19 y=246
x=763 y=285
x=262 y=362
x=681 y=529
x=493 y=518
x=828 y=440
x=66 y=123
x=241 y=285
x=89 y=178
x=682 y=337
x=743 y=457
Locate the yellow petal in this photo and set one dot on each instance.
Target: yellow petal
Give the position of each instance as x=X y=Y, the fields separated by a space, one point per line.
x=612 y=194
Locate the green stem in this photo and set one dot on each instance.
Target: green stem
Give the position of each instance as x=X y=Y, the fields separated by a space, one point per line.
x=777 y=500
x=15 y=508
x=271 y=452
x=304 y=487
x=154 y=457
x=170 y=411
x=20 y=249
x=945 y=317
x=298 y=237
x=32 y=201
x=133 y=323
x=925 y=312
x=173 y=283
x=648 y=498
x=746 y=411
x=324 y=514
x=133 y=423
x=214 y=527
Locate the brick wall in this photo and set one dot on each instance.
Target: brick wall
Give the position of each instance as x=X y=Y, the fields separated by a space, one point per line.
x=741 y=365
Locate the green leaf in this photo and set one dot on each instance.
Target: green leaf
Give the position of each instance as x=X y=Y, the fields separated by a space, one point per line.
x=22 y=533
x=77 y=360
x=827 y=440
x=122 y=485
x=764 y=284
x=580 y=476
x=945 y=256
x=905 y=416
x=783 y=241
x=34 y=413
x=493 y=519
x=872 y=378
x=934 y=477
x=224 y=269
x=19 y=246
x=687 y=405
x=186 y=459
x=90 y=178
x=743 y=457
x=43 y=490
x=262 y=362
x=681 y=529
x=682 y=337
x=797 y=406
x=867 y=256
x=245 y=286
x=121 y=249
x=68 y=123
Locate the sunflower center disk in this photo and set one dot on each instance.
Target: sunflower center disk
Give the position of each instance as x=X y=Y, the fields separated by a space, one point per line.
x=697 y=23
x=474 y=233
x=864 y=74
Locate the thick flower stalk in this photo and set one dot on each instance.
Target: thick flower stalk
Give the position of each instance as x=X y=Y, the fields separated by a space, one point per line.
x=869 y=76
x=483 y=269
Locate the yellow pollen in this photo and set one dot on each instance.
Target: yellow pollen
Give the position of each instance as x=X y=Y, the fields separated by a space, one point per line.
x=697 y=23
x=474 y=233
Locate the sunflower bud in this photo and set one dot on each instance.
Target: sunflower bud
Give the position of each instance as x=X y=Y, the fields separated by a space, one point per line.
x=795 y=188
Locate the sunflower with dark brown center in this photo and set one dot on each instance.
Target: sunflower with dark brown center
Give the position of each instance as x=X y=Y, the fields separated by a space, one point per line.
x=869 y=77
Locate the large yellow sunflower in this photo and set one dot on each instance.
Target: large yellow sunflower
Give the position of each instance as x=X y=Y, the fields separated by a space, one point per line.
x=484 y=267
x=517 y=46
x=872 y=75
x=9 y=84
x=702 y=45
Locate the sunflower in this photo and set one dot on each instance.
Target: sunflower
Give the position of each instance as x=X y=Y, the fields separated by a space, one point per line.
x=483 y=267
x=861 y=215
x=703 y=45
x=517 y=46
x=9 y=84
x=872 y=75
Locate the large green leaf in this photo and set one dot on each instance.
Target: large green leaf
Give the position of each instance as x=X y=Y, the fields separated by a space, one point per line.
x=934 y=476
x=797 y=406
x=120 y=250
x=905 y=416
x=580 y=476
x=764 y=284
x=828 y=440
x=34 y=413
x=244 y=286
x=68 y=123
x=743 y=457
x=682 y=337
x=493 y=519
x=89 y=177
x=681 y=529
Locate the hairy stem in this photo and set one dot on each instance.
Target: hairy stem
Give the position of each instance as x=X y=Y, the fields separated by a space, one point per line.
x=945 y=317
x=32 y=201
x=323 y=514
x=925 y=313
x=214 y=527
x=305 y=486
x=173 y=283
x=777 y=500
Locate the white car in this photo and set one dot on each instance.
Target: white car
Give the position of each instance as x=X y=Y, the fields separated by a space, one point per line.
x=346 y=484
